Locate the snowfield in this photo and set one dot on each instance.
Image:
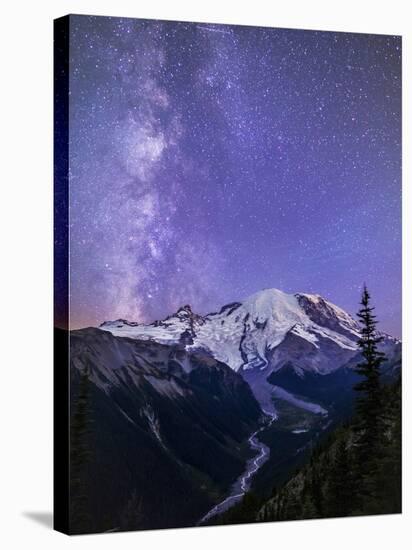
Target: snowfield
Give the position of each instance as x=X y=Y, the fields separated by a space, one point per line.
x=243 y=335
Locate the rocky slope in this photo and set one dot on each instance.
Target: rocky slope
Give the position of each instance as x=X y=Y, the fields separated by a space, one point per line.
x=270 y=332
x=159 y=425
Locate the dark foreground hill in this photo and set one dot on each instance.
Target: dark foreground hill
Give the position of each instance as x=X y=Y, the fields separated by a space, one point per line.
x=157 y=435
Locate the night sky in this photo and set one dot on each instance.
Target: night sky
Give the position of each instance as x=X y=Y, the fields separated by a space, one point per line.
x=208 y=162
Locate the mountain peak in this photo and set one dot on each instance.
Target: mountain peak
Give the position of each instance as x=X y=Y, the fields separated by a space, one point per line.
x=246 y=334
x=186 y=309
x=324 y=313
x=275 y=304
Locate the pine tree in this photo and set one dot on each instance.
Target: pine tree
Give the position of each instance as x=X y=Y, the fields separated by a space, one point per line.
x=341 y=486
x=369 y=425
x=80 y=456
x=132 y=517
x=292 y=505
x=316 y=490
x=309 y=510
x=390 y=475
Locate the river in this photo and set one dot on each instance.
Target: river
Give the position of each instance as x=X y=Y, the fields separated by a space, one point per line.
x=242 y=484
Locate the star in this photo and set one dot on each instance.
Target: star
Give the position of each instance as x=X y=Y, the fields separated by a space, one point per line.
x=210 y=161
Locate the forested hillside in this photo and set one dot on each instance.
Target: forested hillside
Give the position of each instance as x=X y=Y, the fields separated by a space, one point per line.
x=334 y=483
x=356 y=469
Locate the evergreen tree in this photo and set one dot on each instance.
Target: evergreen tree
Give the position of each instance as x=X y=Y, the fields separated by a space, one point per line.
x=341 y=486
x=369 y=426
x=80 y=456
x=292 y=505
x=309 y=510
x=390 y=466
x=316 y=491
x=132 y=517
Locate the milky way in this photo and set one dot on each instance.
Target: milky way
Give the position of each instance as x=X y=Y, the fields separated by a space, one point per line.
x=208 y=162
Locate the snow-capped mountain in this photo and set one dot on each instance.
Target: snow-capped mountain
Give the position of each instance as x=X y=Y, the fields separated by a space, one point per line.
x=268 y=332
x=245 y=335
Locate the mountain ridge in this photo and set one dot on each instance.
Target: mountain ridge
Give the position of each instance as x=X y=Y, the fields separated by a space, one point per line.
x=269 y=331
x=154 y=413
x=242 y=334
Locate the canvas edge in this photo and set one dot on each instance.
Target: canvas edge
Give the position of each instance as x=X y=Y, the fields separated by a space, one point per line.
x=61 y=445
